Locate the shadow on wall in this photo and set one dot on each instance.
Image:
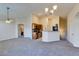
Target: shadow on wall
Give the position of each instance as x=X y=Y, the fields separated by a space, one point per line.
x=63 y=28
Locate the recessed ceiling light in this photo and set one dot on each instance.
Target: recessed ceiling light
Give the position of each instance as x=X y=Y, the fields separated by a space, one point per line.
x=55 y=7
x=51 y=11
x=46 y=9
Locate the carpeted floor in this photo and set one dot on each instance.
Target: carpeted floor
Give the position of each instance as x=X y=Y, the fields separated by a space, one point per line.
x=26 y=47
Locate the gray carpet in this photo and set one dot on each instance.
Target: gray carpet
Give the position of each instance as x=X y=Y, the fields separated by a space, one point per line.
x=26 y=47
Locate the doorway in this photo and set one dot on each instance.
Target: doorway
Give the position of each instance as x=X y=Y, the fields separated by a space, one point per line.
x=20 y=30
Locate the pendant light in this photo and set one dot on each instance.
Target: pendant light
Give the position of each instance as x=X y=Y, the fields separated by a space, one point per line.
x=8 y=19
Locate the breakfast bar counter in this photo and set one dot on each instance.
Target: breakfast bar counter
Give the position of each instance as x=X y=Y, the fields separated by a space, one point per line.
x=49 y=36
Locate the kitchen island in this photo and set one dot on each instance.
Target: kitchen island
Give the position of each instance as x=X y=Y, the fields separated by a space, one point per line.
x=49 y=36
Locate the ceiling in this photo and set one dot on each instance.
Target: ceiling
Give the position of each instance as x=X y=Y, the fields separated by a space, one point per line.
x=21 y=10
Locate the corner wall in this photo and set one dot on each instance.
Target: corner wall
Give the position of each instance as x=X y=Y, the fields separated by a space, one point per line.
x=63 y=28
x=72 y=36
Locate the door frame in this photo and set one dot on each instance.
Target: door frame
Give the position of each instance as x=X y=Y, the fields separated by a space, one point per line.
x=19 y=30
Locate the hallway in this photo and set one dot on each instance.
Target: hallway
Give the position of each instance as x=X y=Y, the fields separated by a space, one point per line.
x=26 y=47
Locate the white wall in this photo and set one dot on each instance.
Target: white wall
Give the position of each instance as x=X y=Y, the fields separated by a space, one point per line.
x=54 y=21
x=27 y=26
x=7 y=31
x=35 y=19
x=73 y=26
x=48 y=23
x=44 y=22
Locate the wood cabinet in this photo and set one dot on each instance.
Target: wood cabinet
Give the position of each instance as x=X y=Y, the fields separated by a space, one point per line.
x=36 y=31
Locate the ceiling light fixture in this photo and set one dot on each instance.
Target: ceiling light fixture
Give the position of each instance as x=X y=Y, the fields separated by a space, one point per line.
x=51 y=11
x=8 y=19
x=54 y=7
x=46 y=10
